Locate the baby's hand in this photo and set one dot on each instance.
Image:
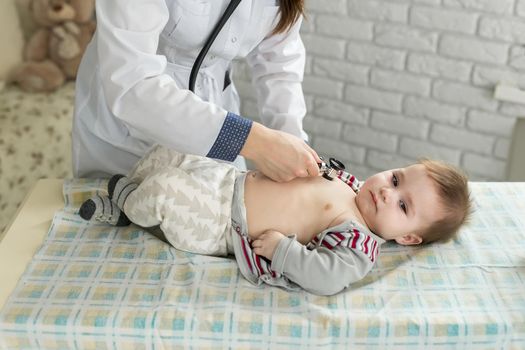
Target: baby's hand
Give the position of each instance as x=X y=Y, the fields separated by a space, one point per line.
x=266 y=243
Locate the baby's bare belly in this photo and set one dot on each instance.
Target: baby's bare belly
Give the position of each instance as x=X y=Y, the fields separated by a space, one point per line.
x=303 y=206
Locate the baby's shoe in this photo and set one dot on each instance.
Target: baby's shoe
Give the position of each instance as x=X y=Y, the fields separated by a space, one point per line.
x=102 y=209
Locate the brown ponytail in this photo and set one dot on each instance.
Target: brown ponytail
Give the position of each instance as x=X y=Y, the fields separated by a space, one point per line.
x=290 y=11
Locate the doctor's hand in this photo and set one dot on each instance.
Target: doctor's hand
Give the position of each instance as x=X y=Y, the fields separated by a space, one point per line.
x=279 y=155
x=266 y=244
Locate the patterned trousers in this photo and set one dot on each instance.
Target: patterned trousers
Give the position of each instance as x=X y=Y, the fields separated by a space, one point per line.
x=190 y=197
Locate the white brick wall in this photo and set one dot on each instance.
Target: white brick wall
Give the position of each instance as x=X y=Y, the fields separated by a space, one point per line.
x=389 y=81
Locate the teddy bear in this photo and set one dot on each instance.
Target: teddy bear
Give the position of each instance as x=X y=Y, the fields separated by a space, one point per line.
x=53 y=52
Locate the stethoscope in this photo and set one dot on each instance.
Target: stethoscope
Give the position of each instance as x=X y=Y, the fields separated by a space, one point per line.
x=216 y=30
x=330 y=170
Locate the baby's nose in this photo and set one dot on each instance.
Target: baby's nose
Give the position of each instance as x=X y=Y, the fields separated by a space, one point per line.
x=383 y=193
x=386 y=194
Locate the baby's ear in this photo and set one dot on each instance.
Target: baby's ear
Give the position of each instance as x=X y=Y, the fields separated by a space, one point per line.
x=409 y=239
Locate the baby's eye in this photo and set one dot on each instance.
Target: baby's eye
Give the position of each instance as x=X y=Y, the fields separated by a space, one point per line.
x=403 y=206
x=395 y=181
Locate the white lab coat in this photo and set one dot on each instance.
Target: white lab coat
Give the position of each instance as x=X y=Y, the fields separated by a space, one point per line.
x=132 y=83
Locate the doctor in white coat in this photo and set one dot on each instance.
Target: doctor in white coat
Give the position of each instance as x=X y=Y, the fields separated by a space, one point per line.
x=132 y=86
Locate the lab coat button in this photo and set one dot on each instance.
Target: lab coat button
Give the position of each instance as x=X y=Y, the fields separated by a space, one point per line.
x=234 y=39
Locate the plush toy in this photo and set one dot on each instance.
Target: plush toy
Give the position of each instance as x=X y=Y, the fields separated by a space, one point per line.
x=53 y=53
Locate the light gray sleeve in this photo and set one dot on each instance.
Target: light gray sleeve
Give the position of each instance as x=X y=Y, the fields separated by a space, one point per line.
x=320 y=271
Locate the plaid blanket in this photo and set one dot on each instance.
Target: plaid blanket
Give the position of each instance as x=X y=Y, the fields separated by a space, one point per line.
x=92 y=286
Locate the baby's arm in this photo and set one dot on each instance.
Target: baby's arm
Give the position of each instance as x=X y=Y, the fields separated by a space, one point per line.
x=320 y=271
x=266 y=244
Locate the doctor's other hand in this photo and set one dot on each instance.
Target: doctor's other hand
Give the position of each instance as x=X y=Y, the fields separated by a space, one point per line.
x=279 y=155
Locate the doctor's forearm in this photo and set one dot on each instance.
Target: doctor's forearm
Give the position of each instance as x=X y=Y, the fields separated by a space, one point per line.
x=256 y=140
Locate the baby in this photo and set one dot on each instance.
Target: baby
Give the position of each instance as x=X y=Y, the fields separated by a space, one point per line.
x=309 y=233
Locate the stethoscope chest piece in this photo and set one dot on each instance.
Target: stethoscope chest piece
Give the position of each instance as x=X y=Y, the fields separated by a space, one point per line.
x=329 y=171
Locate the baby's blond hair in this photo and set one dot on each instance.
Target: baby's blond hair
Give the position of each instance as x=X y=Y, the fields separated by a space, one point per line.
x=452 y=188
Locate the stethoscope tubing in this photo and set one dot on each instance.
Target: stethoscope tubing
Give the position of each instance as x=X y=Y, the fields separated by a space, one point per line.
x=329 y=170
x=213 y=35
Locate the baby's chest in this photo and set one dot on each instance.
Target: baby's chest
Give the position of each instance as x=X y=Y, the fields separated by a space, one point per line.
x=337 y=203
x=329 y=207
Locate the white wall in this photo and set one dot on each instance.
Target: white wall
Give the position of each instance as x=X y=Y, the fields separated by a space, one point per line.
x=388 y=81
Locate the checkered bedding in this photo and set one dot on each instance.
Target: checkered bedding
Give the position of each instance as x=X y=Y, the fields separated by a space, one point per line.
x=92 y=286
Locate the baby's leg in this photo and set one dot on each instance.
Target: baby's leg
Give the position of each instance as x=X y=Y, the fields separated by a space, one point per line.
x=107 y=209
x=143 y=203
x=110 y=209
x=160 y=157
x=186 y=208
x=188 y=197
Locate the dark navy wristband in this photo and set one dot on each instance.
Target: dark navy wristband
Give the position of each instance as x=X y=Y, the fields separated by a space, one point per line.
x=231 y=139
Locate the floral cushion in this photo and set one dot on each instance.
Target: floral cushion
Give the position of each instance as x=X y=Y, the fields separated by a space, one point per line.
x=35 y=142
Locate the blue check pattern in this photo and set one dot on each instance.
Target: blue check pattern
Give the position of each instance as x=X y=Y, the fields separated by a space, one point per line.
x=95 y=286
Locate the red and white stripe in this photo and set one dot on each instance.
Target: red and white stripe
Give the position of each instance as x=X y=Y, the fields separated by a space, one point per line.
x=350 y=180
x=257 y=264
x=353 y=240
x=363 y=242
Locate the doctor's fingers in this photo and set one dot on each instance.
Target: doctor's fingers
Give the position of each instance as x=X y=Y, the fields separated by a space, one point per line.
x=277 y=173
x=312 y=168
x=312 y=161
x=317 y=159
x=302 y=166
x=308 y=167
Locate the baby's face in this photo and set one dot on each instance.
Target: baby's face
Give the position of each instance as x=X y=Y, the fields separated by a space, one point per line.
x=398 y=204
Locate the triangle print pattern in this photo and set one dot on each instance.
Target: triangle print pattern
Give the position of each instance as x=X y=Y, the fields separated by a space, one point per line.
x=190 y=197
